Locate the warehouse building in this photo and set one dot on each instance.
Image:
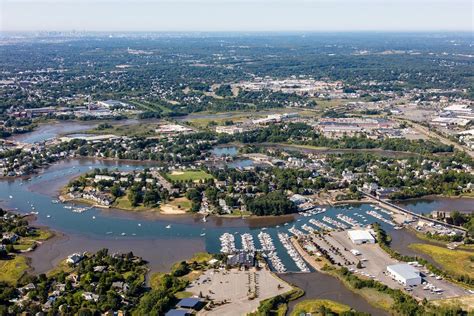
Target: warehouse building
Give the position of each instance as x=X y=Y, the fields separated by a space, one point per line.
x=359 y=237
x=404 y=274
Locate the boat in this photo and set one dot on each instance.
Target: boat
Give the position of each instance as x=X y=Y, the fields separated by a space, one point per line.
x=139 y=224
x=11 y=197
x=300 y=263
x=123 y=234
x=202 y=234
x=93 y=217
x=227 y=243
x=48 y=216
x=168 y=226
x=247 y=242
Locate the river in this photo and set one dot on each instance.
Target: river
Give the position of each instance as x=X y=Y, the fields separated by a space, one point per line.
x=159 y=239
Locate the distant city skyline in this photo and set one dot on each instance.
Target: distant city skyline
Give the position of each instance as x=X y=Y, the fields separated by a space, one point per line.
x=236 y=15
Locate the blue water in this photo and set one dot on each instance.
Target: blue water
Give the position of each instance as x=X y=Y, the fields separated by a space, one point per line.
x=111 y=224
x=225 y=151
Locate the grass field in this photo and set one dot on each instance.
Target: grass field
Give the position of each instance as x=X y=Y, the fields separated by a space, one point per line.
x=376 y=298
x=130 y=130
x=188 y=175
x=465 y=302
x=150 y=106
x=124 y=204
x=12 y=270
x=453 y=261
x=314 y=307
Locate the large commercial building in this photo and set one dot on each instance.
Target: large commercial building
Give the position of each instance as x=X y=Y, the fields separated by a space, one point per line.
x=359 y=237
x=405 y=274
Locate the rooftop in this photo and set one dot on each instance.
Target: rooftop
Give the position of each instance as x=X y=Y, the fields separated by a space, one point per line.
x=404 y=270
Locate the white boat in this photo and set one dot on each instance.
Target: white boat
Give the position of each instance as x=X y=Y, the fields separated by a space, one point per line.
x=139 y=224
x=11 y=197
x=202 y=234
x=93 y=217
x=168 y=226
x=48 y=216
x=123 y=234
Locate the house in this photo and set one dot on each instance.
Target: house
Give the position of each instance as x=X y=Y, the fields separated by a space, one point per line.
x=88 y=296
x=74 y=258
x=11 y=237
x=99 y=178
x=298 y=199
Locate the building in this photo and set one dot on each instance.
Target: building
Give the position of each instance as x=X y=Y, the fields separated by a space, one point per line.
x=359 y=237
x=231 y=130
x=298 y=199
x=74 y=258
x=190 y=303
x=178 y=312
x=404 y=274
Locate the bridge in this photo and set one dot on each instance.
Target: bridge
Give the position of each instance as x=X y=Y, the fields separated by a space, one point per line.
x=403 y=210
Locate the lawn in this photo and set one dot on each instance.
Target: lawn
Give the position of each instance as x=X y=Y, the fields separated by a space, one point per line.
x=201 y=257
x=12 y=270
x=453 y=261
x=314 y=307
x=124 y=204
x=188 y=175
x=182 y=203
x=25 y=243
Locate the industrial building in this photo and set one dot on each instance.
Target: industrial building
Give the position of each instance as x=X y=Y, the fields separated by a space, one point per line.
x=405 y=274
x=359 y=237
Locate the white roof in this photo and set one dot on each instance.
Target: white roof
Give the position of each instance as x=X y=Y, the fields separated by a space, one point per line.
x=458 y=107
x=404 y=270
x=360 y=235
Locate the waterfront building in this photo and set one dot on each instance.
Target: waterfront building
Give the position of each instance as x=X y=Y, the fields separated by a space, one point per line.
x=404 y=274
x=359 y=237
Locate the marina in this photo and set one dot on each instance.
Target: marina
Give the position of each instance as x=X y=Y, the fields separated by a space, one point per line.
x=335 y=223
x=320 y=225
x=380 y=217
x=300 y=263
x=347 y=219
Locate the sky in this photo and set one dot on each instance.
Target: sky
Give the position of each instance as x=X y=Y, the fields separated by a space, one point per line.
x=236 y=15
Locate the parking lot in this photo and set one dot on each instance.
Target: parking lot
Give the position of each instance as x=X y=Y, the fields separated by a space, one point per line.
x=237 y=292
x=374 y=262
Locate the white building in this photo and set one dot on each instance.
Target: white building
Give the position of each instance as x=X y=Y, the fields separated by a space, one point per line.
x=231 y=130
x=404 y=274
x=359 y=237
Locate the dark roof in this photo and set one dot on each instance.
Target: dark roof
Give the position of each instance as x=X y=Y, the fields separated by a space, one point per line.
x=177 y=312
x=189 y=302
